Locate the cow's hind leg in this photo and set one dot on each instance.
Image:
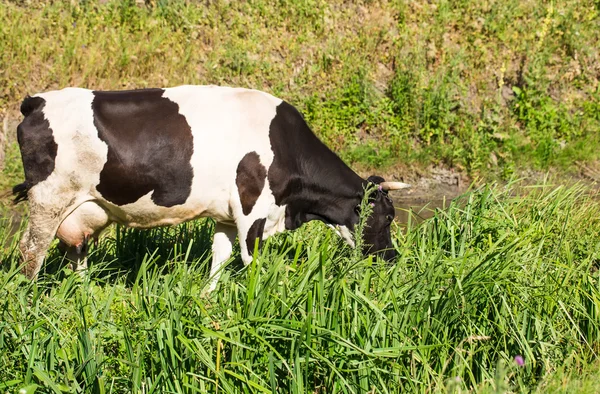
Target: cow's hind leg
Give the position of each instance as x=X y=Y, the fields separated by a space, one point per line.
x=222 y=248
x=37 y=238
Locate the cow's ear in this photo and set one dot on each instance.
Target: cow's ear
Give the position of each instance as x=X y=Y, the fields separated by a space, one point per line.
x=375 y=179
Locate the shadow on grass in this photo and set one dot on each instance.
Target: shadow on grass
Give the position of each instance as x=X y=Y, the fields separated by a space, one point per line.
x=122 y=251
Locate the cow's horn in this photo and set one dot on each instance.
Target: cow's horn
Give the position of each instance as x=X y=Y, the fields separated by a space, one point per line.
x=387 y=186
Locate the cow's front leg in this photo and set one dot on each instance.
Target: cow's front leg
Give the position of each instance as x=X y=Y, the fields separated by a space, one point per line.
x=250 y=233
x=221 y=250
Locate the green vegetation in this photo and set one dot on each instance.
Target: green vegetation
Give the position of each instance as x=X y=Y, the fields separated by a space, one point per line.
x=492 y=277
x=486 y=87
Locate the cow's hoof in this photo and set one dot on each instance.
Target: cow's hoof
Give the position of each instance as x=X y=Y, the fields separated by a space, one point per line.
x=209 y=288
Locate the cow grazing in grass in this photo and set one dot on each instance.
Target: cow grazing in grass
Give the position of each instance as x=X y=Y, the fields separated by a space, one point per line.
x=156 y=157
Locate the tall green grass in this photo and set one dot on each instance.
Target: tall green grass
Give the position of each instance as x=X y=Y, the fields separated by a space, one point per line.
x=499 y=273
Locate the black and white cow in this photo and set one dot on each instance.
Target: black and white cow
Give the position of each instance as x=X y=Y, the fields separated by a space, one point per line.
x=156 y=157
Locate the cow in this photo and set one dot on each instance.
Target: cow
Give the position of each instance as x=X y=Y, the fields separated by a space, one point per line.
x=158 y=157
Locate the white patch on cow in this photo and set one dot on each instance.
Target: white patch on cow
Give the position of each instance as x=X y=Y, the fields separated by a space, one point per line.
x=144 y=213
x=344 y=233
x=347 y=235
x=221 y=248
x=275 y=221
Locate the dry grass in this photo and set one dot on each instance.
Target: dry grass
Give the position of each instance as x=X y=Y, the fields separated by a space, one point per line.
x=381 y=82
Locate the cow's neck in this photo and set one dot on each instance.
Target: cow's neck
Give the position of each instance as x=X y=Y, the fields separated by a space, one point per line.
x=331 y=197
x=307 y=177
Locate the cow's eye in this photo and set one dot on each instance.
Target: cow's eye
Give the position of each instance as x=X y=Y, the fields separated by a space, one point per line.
x=389 y=218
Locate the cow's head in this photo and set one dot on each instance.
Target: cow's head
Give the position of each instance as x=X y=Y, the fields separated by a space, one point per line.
x=376 y=236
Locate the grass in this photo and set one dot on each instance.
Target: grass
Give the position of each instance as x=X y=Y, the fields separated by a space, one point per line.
x=488 y=88
x=491 y=277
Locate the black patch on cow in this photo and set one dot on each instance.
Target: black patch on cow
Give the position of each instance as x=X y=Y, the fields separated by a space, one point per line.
x=150 y=145
x=307 y=176
x=250 y=180
x=256 y=232
x=31 y=104
x=37 y=145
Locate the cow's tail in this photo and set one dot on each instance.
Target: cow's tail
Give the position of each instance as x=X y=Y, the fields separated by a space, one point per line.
x=20 y=192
